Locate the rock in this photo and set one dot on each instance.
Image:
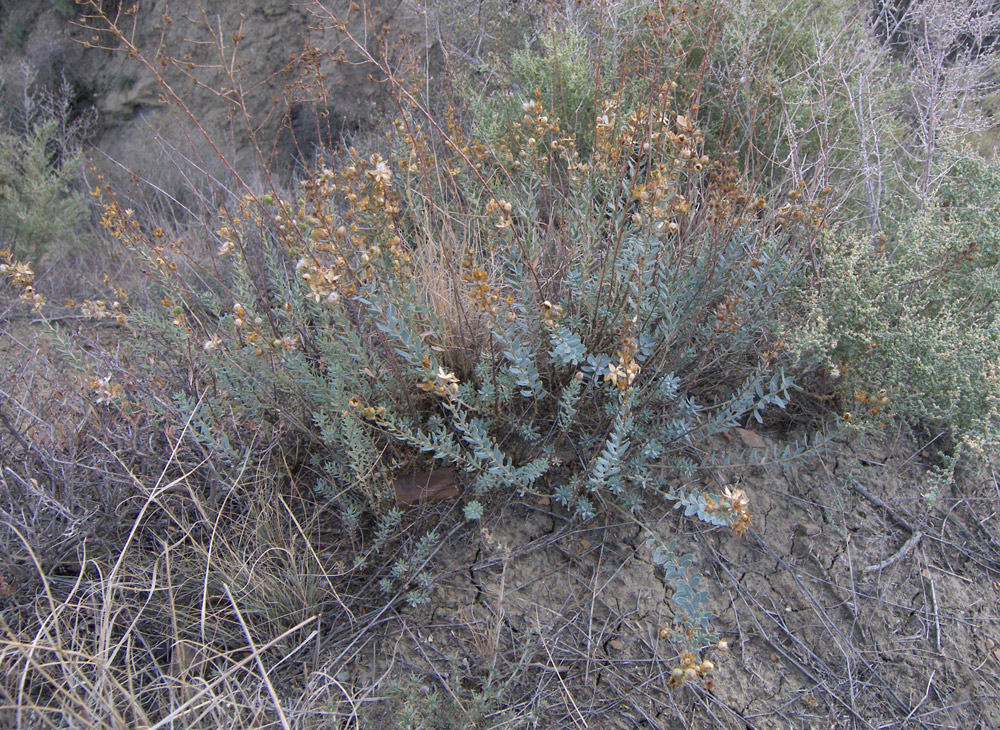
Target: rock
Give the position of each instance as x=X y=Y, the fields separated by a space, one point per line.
x=809 y=529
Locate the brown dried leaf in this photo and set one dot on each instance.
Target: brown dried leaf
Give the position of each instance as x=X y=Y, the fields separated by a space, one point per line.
x=751 y=439
x=425 y=486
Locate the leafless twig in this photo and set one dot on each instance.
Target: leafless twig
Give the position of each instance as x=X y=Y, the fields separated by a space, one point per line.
x=900 y=554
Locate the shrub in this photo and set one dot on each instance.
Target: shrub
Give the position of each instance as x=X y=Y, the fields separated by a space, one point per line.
x=595 y=340
x=563 y=317
x=806 y=100
x=40 y=205
x=912 y=327
x=563 y=69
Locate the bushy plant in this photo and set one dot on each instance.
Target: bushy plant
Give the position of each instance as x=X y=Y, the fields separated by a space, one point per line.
x=595 y=342
x=563 y=317
x=41 y=207
x=911 y=327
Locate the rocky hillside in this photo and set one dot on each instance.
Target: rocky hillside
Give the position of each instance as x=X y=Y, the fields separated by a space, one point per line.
x=49 y=45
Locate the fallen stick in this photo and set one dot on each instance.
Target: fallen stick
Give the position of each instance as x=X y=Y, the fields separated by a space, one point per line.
x=915 y=535
x=900 y=554
x=879 y=503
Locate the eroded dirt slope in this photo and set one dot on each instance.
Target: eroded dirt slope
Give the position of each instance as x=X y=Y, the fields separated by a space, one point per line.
x=537 y=621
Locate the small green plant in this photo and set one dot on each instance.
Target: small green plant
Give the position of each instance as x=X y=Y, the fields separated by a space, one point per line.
x=123 y=81
x=41 y=208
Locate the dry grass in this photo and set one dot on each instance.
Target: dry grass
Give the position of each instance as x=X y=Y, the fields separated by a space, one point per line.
x=228 y=601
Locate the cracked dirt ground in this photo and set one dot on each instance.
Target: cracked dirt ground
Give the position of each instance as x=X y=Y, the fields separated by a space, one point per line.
x=539 y=621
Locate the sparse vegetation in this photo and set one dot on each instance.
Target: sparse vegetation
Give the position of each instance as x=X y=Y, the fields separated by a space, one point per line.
x=657 y=250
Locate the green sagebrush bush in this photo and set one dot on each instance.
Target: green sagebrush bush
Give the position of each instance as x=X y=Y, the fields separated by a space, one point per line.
x=562 y=70
x=597 y=348
x=41 y=207
x=911 y=326
x=556 y=316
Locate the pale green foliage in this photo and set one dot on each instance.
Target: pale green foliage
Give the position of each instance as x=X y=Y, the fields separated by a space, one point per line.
x=690 y=599
x=916 y=323
x=473 y=510
x=561 y=69
x=37 y=205
x=41 y=208
x=564 y=72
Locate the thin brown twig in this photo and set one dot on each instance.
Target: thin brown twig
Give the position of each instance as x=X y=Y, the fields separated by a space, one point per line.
x=879 y=503
x=899 y=555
